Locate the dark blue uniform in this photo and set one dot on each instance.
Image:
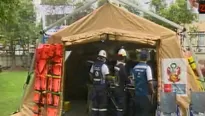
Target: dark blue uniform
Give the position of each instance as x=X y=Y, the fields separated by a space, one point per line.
x=99 y=95
x=119 y=92
x=142 y=74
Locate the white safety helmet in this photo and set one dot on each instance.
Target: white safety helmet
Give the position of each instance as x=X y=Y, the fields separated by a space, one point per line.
x=122 y=52
x=102 y=53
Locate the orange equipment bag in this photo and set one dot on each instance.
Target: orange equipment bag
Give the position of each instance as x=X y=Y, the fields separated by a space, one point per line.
x=56 y=69
x=49 y=98
x=43 y=82
x=59 y=50
x=52 y=112
x=45 y=51
x=56 y=84
x=36 y=97
x=51 y=51
x=36 y=114
x=41 y=66
x=50 y=83
x=57 y=59
x=43 y=99
x=36 y=109
x=56 y=100
x=37 y=84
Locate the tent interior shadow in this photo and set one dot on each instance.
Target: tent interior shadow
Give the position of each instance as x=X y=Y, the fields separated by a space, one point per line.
x=76 y=74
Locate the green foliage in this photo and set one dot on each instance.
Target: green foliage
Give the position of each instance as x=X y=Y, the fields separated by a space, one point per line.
x=193 y=29
x=81 y=14
x=131 y=9
x=176 y=12
x=101 y=2
x=158 y=5
x=56 y=2
x=24 y=26
x=7 y=8
x=21 y=29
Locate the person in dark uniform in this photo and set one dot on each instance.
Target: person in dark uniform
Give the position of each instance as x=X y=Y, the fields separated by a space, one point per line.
x=130 y=93
x=142 y=74
x=121 y=79
x=99 y=71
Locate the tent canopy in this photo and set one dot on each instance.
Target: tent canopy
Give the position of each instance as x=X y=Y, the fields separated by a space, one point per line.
x=117 y=34
x=112 y=20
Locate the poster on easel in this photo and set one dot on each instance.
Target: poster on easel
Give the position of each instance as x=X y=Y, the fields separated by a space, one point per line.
x=174 y=76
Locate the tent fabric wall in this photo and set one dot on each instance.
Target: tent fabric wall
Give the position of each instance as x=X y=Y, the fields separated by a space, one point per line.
x=166 y=50
x=109 y=17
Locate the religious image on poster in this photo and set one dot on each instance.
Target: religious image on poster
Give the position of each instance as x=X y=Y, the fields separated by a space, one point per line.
x=174 y=75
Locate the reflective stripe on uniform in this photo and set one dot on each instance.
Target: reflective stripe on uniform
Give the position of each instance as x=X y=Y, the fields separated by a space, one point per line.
x=95 y=109
x=97 y=79
x=130 y=88
x=102 y=110
x=120 y=110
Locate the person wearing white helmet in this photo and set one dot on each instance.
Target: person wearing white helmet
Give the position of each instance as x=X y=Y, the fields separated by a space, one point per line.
x=120 y=81
x=99 y=72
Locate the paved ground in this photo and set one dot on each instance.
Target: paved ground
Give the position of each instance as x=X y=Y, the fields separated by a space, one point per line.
x=78 y=108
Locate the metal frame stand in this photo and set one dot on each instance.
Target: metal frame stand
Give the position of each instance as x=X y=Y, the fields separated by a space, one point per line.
x=197 y=106
x=167 y=105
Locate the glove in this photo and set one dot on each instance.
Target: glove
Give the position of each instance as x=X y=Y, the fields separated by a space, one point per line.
x=111 y=77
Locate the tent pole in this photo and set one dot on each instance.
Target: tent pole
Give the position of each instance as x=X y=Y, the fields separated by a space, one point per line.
x=85 y=6
x=172 y=24
x=30 y=71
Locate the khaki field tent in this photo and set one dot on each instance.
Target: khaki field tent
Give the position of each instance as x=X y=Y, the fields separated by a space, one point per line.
x=114 y=24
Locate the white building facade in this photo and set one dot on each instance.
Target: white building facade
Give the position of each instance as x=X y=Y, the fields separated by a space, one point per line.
x=47 y=14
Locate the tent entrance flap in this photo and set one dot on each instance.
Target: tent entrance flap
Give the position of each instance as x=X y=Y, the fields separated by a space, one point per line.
x=78 y=65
